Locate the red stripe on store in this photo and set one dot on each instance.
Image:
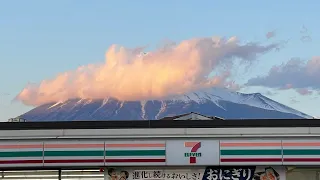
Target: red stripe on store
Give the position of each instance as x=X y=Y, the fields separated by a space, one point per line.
x=74 y=161
x=301 y=159
x=20 y=161
x=133 y=160
x=252 y=160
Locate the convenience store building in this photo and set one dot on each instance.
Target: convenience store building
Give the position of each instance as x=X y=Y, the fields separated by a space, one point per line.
x=161 y=150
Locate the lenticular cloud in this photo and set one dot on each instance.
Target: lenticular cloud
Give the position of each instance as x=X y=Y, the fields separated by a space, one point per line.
x=131 y=74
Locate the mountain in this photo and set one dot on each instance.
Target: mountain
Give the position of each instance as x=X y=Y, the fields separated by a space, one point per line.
x=212 y=102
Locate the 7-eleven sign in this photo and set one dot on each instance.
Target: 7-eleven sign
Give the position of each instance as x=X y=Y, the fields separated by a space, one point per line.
x=193 y=154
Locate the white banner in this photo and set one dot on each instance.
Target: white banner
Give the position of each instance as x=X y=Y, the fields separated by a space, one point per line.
x=208 y=173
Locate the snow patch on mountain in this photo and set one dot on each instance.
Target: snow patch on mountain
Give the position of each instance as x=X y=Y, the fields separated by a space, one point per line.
x=143 y=110
x=161 y=110
x=104 y=102
x=54 y=105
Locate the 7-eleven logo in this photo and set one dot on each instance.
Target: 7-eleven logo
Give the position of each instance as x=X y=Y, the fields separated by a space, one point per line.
x=193 y=154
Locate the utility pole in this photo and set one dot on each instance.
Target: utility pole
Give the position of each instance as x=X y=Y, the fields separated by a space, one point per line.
x=59 y=174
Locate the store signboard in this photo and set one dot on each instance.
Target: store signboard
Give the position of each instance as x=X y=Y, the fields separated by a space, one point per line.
x=192 y=152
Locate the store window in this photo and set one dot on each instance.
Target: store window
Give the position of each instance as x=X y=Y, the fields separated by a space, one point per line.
x=302 y=173
x=53 y=174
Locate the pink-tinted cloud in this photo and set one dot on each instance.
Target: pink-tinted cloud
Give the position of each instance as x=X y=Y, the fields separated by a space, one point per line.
x=128 y=74
x=286 y=87
x=304 y=91
x=297 y=74
x=232 y=85
x=271 y=34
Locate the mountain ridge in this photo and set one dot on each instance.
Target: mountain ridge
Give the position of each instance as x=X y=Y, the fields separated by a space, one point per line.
x=213 y=102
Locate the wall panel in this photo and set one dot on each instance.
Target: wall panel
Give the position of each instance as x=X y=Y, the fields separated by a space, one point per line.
x=137 y=153
x=301 y=152
x=250 y=152
x=74 y=153
x=21 y=154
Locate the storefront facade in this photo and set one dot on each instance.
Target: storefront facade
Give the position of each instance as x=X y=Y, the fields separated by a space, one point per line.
x=192 y=159
x=258 y=153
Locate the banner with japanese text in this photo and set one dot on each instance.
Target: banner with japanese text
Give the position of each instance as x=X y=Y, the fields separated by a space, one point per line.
x=206 y=173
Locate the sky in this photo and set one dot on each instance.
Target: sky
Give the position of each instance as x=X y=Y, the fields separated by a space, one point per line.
x=270 y=47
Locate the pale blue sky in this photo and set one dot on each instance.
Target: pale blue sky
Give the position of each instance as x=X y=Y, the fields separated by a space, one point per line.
x=40 y=38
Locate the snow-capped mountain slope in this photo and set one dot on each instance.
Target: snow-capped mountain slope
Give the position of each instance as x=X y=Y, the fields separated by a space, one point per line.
x=211 y=102
x=254 y=99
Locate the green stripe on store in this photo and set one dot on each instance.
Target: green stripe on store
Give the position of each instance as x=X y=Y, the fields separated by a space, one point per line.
x=73 y=153
x=301 y=152
x=108 y=153
x=84 y=153
x=251 y=152
x=21 y=154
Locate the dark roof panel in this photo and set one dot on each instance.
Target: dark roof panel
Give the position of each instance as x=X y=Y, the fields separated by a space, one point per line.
x=160 y=124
